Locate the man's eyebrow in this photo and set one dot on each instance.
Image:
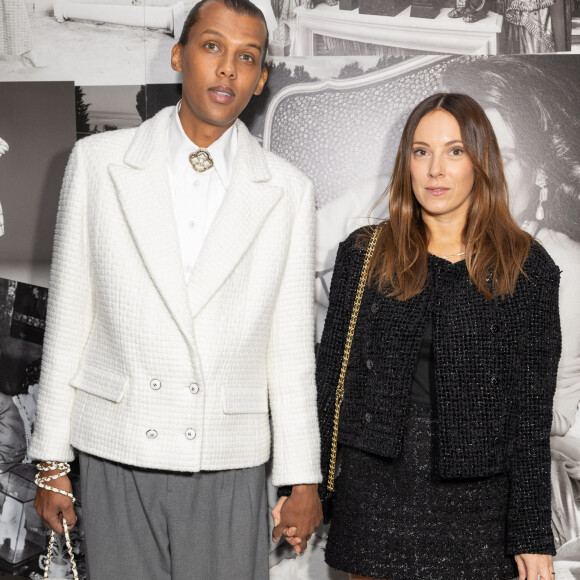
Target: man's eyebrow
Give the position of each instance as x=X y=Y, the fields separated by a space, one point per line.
x=209 y=31
x=216 y=33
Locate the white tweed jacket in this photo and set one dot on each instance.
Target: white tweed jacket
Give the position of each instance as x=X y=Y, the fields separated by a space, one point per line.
x=142 y=369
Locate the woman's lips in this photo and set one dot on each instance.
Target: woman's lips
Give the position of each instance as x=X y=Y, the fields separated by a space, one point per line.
x=223 y=95
x=437 y=190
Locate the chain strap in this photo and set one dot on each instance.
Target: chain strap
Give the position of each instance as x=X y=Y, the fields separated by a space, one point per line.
x=43 y=481
x=70 y=552
x=349 y=337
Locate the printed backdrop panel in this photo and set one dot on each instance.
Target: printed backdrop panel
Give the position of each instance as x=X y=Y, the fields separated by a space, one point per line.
x=37 y=125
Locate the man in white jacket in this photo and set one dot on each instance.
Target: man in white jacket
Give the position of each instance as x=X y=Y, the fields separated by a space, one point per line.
x=180 y=320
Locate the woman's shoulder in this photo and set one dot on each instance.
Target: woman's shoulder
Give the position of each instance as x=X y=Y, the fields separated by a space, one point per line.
x=359 y=238
x=564 y=250
x=539 y=265
x=351 y=250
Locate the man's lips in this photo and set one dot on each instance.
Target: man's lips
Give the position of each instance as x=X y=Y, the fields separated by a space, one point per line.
x=222 y=94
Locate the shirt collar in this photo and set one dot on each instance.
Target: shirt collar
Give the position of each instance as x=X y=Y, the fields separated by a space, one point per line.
x=223 y=151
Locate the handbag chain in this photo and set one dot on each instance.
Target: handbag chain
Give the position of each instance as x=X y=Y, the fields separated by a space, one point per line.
x=349 y=337
x=69 y=548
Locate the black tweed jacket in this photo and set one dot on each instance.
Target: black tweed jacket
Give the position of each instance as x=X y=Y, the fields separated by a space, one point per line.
x=495 y=375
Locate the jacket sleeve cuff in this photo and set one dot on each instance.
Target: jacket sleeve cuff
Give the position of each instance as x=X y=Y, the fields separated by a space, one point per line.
x=284 y=491
x=543 y=547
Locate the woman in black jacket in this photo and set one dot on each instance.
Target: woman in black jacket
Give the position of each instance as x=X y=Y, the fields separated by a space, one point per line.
x=444 y=428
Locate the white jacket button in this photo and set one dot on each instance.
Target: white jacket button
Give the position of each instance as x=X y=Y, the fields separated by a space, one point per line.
x=151 y=434
x=155 y=384
x=190 y=434
x=194 y=388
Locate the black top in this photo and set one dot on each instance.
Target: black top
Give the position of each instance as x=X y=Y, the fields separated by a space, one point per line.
x=495 y=365
x=422 y=375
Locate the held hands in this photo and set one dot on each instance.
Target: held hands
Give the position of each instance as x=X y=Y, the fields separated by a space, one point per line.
x=52 y=506
x=297 y=516
x=535 y=567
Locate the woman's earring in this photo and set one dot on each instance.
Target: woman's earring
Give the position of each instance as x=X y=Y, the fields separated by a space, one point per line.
x=541 y=182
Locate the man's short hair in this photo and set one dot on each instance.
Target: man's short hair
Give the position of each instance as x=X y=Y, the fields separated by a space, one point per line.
x=239 y=6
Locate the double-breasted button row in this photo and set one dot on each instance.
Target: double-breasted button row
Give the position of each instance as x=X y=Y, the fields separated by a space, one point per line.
x=155 y=384
x=153 y=434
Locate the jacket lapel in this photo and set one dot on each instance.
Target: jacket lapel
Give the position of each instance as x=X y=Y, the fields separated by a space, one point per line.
x=248 y=201
x=144 y=193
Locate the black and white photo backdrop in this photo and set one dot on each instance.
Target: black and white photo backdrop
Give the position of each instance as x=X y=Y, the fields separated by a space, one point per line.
x=343 y=77
x=37 y=123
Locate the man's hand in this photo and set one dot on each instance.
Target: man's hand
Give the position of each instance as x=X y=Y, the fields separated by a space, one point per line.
x=297 y=516
x=52 y=507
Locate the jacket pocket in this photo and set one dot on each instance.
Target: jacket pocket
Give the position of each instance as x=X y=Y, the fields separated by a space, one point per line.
x=238 y=401
x=101 y=383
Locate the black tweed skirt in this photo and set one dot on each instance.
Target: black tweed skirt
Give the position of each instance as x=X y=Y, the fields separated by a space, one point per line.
x=397 y=519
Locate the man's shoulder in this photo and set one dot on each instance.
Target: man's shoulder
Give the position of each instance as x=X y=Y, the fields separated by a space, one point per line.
x=108 y=143
x=117 y=142
x=283 y=170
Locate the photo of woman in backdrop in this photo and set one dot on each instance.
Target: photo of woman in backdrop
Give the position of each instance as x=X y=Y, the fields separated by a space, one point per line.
x=444 y=413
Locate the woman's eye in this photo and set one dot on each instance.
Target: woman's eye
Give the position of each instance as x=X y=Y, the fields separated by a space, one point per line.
x=419 y=152
x=456 y=151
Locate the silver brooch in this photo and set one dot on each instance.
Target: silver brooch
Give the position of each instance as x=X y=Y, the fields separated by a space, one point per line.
x=201 y=160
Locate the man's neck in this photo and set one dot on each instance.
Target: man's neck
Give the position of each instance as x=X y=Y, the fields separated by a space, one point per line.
x=201 y=134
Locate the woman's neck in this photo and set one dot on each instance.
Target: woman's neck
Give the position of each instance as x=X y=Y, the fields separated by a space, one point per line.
x=445 y=236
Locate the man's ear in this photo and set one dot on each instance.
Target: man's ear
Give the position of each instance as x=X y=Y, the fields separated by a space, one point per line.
x=262 y=81
x=176 y=56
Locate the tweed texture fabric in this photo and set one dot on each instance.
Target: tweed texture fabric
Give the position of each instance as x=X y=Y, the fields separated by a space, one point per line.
x=495 y=375
x=142 y=369
x=403 y=521
x=15 y=36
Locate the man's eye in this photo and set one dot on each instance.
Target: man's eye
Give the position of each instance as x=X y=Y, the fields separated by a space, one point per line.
x=247 y=57
x=211 y=45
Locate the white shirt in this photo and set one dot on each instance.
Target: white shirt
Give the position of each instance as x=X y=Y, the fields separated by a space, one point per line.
x=197 y=196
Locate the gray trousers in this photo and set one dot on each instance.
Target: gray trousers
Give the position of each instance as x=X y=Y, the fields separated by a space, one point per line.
x=143 y=524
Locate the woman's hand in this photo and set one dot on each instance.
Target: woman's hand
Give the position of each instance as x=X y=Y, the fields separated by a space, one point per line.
x=52 y=507
x=289 y=533
x=297 y=516
x=535 y=567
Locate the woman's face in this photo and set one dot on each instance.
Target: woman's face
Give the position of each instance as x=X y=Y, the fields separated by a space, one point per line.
x=519 y=179
x=442 y=173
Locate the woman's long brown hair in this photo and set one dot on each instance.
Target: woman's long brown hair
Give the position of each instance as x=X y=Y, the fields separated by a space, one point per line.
x=494 y=243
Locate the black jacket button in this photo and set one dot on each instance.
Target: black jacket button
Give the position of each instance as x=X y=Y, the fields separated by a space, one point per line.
x=369 y=364
x=374 y=308
x=368 y=417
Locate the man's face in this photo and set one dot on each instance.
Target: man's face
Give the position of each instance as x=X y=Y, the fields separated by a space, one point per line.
x=221 y=65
